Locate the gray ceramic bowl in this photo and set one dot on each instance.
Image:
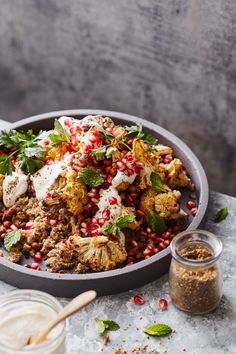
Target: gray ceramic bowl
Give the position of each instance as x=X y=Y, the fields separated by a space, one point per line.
x=121 y=279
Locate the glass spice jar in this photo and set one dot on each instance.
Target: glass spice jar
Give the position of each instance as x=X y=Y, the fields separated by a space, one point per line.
x=23 y=313
x=195 y=280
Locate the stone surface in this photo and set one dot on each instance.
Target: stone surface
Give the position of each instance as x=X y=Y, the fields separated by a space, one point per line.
x=214 y=333
x=169 y=61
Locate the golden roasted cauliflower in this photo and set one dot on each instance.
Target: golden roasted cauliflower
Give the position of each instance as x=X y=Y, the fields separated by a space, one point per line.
x=56 y=152
x=147 y=201
x=99 y=253
x=129 y=211
x=163 y=150
x=167 y=205
x=177 y=176
x=1 y=186
x=73 y=191
x=151 y=163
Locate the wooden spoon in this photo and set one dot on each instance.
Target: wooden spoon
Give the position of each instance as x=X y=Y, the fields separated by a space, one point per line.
x=75 y=305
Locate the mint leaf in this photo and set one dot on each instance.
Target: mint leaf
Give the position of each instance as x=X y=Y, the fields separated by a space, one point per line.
x=90 y=177
x=61 y=134
x=124 y=221
x=6 y=165
x=221 y=215
x=106 y=325
x=121 y=223
x=11 y=239
x=158 y=330
x=157 y=184
x=156 y=222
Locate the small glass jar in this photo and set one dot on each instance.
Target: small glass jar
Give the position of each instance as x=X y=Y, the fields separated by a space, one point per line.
x=195 y=280
x=10 y=306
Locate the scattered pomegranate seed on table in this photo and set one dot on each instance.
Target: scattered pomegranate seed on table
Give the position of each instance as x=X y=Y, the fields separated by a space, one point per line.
x=138 y=300
x=163 y=304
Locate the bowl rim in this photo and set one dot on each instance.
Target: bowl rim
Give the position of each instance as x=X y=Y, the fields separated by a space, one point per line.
x=203 y=197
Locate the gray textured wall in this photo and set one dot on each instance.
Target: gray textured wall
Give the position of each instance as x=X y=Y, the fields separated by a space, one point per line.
x=170 y=61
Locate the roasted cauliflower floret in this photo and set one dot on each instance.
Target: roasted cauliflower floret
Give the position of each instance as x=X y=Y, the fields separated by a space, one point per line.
x=1 y=186
x=73 y=191
x=147 y=201
x=56 y=152
x=163 y=150
x=129 y=211
x=167 y=206
x=151 y=163
x=98 y=253
x=177 y=176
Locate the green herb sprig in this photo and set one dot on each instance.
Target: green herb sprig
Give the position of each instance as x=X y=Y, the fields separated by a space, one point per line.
x=60 y=135
x=221 y=215
x=156 y=222
x=27 y=152
x=90 y=177
x=158 y=330
x=106 y=325
x=115 y=228
x=11 y=239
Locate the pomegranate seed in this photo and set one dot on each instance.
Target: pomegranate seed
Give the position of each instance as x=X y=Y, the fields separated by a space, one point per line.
x=67 y=122
x=138 y=300
x=134 y=243
x=94 y=227
x=162 y=245
x=110 y=179
x=46 y=143
x=153 y=235
x=140 y=214
x=84 y=230
x=159 y=239
x=194 y=211
x=84 y=224
x=168 y=159
x=156 y=250
x=89 y=206
x=113 y=200
x=38 y=257
x=101 y=222
x=166 y=235
x=35 y=266
x=163 y=304
x=107 y=162
x=95 y=233
x=29 y=225
x=53 y=222
x=191 y=204
x=167 y=242
x=95 y=200
x=106 y=214
x=120 y=165
x=149 y=230
x=176 y=228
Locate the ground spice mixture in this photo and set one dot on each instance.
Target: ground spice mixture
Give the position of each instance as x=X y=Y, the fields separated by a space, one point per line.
x=195 y=288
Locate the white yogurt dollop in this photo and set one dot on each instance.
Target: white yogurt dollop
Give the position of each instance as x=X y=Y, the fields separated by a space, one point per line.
x=13 y=187
x=45 y=178
x=121 y=177
x=68 y=122
x=104 y=203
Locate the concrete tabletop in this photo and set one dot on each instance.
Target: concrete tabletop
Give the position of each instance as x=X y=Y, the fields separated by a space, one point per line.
x=214 y=333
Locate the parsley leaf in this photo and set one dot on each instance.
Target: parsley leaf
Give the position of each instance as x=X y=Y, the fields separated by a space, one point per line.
x=150 y=139
x=157 y=184
x=108 y=136
x=135 y=129
x=221 y=215
x=90 y=177
x=15 y=139
x=6 y=166
x=156 y=222
x=158 y=330
x=61 y=134
x=115 y=228
x=11 y=239
x=105 y=325
x=99 y=152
